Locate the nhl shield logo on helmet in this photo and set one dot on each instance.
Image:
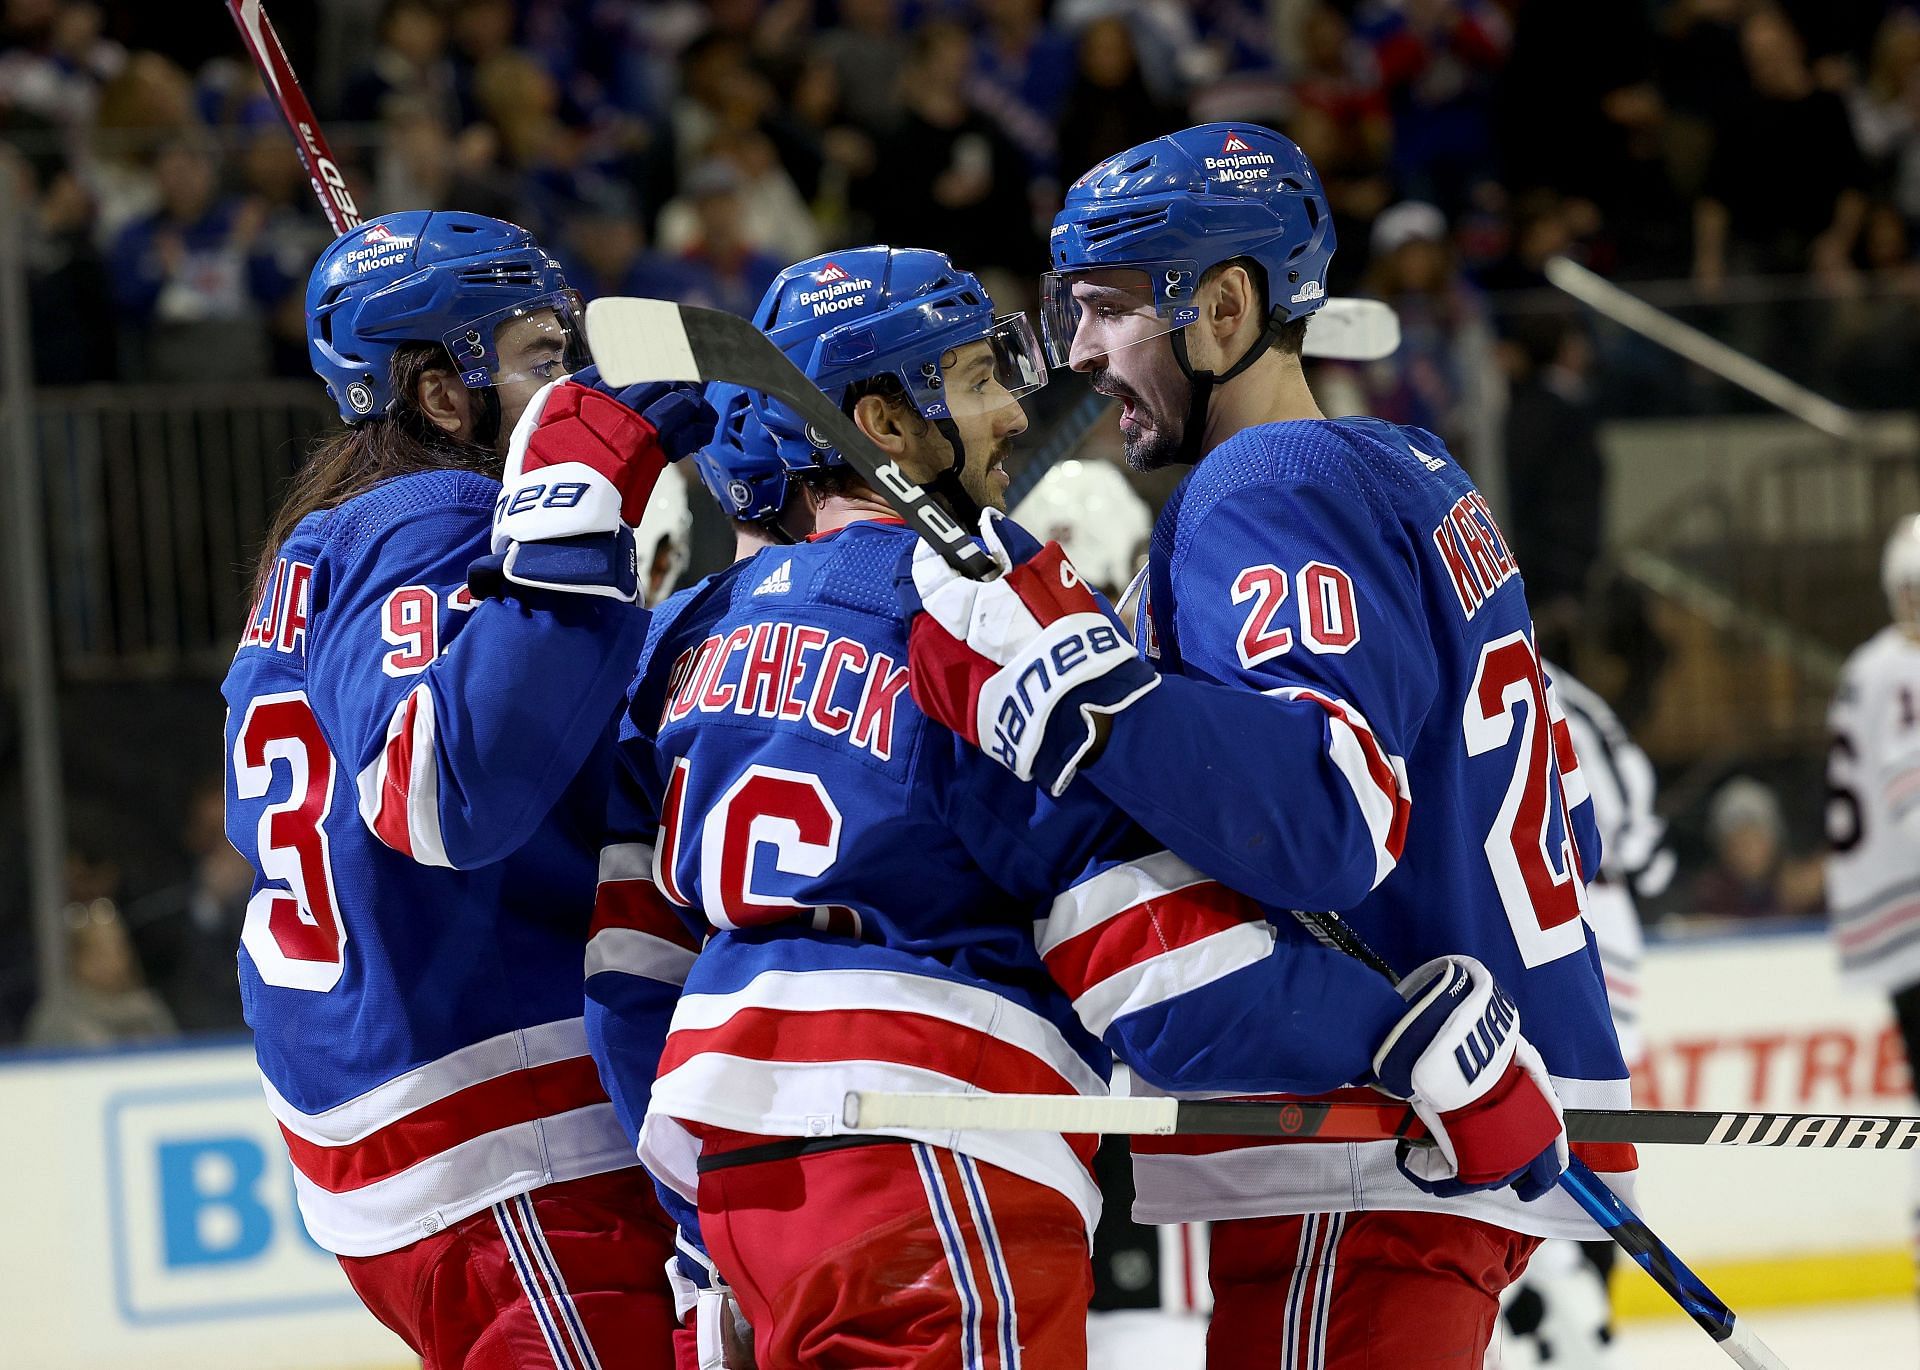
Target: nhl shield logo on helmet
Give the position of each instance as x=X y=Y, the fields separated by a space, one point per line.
x=740 y=467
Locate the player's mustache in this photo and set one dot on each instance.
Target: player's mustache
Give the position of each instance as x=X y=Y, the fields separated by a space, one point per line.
x=1103 y=381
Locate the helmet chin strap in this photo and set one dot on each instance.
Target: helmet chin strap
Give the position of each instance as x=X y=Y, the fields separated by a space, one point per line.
x=486 y=418
x=947 y=484
x=1203 y=382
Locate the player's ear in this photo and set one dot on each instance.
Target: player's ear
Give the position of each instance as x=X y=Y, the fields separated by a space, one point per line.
x=1233 y=302
x=444 y=400
x=881 y=422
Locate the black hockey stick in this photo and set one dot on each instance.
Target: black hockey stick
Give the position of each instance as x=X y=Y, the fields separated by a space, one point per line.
x=1308 y=1120
x=635 y=340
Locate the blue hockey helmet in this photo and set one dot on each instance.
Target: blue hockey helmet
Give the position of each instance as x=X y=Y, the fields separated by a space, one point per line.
x=1171 y=209
x=434 y=276
x=741 y=466
x=869 y=312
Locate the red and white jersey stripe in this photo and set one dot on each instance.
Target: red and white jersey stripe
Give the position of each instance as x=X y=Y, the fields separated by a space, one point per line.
x=1142 y=932
x=400 y=788
x=449 y=1138
x=635 y=931
x=778 y=1056
x=1377 y=778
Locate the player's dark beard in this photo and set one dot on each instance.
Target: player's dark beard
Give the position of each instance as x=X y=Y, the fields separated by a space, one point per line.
x=1160 y=447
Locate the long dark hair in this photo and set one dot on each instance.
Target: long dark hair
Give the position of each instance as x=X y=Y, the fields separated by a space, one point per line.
x=347 y=461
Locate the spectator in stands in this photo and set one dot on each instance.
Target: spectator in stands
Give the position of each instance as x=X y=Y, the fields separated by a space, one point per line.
x=424 y=163
x=867 y=51
x=291 y=235
x=148 y=103
x=722 y=268
x=823 y=149
x=1886 y=112
x=770 y=216
x=1753 y=876
x=1109 y=107
x=1339 y=118
x=104 y=1001
x=1702 y=79
x=1022 y=69
x=410 y=65
x=66 y=275
x=54 y=61
x=1555 y=472
x=947 y=176
x=187 y=934
x=605 y=251
x=1438 y=60
x=185 y=275
x=1743 y=222
x=480 y=31
x=1444 y=376
x=1580 y=114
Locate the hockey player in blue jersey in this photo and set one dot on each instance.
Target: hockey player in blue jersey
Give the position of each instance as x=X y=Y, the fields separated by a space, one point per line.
x=1348 y=714
x=418 y=718
x=888 y=909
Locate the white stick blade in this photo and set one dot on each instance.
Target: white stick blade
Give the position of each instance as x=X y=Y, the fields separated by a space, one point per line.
x=636 y=340
x=1746 y=1350
x=877 y=1111
x=1353 y=330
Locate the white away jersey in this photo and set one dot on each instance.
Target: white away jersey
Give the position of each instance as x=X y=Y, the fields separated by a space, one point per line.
x=1873 y=813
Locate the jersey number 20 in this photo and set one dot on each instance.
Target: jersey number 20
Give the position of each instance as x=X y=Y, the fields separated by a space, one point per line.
x=293 y=930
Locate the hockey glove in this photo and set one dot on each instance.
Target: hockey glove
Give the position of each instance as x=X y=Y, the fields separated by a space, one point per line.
x=1480 y=1087
x=580 y=467
x=1020 y=666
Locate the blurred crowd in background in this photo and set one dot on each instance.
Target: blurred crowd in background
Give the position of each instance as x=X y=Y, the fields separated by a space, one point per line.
x=1740 y=150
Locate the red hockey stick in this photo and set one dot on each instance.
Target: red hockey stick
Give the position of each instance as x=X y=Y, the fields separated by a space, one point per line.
x=329 y=186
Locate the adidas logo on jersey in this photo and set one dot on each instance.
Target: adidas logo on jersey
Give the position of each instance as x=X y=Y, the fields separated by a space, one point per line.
x=779 y=581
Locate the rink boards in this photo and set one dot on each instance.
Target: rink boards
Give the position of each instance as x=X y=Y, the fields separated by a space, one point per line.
x=153 y=1222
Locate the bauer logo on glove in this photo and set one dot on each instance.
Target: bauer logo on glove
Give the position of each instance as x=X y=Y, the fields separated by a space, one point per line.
x=1024 y=665
x=580 y=469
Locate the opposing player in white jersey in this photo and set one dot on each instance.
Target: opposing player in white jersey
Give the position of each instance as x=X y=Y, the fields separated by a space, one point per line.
x=1348 y=714
x=1873 y=801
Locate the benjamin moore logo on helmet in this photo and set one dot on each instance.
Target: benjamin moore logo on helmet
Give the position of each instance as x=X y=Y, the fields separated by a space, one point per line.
x=1239 y=162
x=838 y=290
x=381 y=247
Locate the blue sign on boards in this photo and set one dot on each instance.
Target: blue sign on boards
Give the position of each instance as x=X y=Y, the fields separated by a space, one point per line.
x=201 y=1206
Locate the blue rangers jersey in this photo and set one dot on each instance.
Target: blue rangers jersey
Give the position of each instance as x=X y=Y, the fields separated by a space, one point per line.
x=418 y=779
x=876 y=905
x=1355 y=718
